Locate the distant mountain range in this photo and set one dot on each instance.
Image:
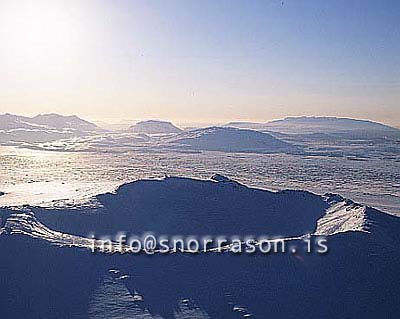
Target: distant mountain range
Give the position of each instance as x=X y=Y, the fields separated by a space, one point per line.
x=317 y=135
x=316 y=124
x=288 y=125
x=50 y=121
x=42 y=128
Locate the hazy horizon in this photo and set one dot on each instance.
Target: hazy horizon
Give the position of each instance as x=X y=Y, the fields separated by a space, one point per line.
x=201 y=62
x=179 y=122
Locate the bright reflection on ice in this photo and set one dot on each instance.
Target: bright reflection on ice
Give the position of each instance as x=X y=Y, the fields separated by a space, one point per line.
x=47 y=194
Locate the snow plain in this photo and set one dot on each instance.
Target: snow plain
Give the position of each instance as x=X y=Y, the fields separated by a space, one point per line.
x=45 y=177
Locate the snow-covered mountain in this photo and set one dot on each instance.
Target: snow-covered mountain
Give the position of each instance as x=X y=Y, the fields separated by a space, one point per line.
x=229 y=139
x=320 y=124
x=45 y=121
x=54 y=274
x=154 y=127
x=42 y=127
x=11 y=121
x=326 y=125
x=62 y=122
x=331 y=136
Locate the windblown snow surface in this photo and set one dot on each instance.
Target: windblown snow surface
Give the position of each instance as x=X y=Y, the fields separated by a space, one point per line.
x=48 y=271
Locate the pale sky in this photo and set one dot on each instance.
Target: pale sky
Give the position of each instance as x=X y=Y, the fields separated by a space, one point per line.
x=201 y=61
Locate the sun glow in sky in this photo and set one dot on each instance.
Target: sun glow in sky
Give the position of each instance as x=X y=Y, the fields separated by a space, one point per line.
x=201 y=61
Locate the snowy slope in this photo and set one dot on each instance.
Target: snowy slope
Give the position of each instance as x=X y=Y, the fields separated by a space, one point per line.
x=188 y=206
x=54 y=275
x=286 y=214
x=228 y=139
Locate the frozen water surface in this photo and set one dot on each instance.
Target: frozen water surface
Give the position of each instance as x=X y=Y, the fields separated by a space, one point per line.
x=47 y=178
